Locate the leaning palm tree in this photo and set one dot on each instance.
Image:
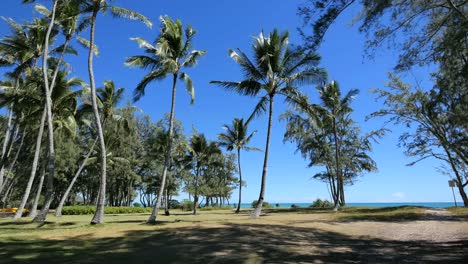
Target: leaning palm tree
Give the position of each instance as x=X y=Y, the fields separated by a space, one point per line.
x=236 y=138
x=95 y=7
x=170 y=53
x=275 y=70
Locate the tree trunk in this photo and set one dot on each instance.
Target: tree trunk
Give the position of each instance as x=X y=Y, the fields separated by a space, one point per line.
x=99 y=215
x=195 y=194
x=50 y=177
x=339 y=175
x=5 y=198
x=166 y=200
x=33 y=211
x=58 y=211
x=13 y=162
x=167 y=159
x=258 y=208
x=240 y=181
x=19 y=212
x=5 y=145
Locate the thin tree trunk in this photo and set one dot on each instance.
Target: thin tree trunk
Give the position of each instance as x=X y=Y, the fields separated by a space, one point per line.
x=195 y=195
x=99 y=215
x=167 y=159
x=258 y=209
x=5 y=144
x=50 y=126
x=58 y=211
x=19 y=212
x=240 y=181
x=8 y=192
x=33 y=211
x=12 y=164
x=166 y=200
x=340 y=188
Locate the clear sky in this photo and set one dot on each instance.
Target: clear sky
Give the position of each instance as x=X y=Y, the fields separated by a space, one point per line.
x=231 y=24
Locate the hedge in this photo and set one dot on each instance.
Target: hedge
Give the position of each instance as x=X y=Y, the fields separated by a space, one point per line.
x=87 y=210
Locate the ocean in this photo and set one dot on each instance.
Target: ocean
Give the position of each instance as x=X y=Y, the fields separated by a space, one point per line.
x=434 y=204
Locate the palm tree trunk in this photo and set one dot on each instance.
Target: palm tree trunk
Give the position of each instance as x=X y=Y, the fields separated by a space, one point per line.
x=50 y=177
x=240 y=181
x=5 y=145
x=340 y=188
x=258 y=209
x=166 y=203
x=58 y=211
x=19 y=212
x=33 y=211
x=99 y=215
x=195 y=194
x=13 y=162
x=167 y=159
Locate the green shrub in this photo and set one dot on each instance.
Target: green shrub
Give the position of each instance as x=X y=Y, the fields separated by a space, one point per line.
x=294 y=206
x=265 y=204
x=277 y=205
x=186 y=205
x=137 y=205
x=319 y=203
x=88 y=210
x=211 y=208
x=174 y=204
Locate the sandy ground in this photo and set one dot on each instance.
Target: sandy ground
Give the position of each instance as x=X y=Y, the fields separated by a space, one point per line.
x=224 y=237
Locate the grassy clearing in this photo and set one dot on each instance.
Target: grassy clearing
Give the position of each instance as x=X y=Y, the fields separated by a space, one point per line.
x=459 y=211
x=281 y=235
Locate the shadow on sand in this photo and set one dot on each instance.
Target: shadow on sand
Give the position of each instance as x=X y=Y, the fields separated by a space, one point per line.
x=231 y=243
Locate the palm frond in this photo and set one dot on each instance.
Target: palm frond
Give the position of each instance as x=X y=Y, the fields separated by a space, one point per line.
x=121 y=12
x=85 y=43
x=189 y=86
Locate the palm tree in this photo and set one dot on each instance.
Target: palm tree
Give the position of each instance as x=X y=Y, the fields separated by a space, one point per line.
x=108 y=97
x=200 y=154
x=326 y=134
x=335 y=109
x=168 y=56
x=96 y=7
x=275 y=70
x=236 y=138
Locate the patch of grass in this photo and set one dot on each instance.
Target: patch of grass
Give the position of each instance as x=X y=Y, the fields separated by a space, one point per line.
x=217 y=236
x=399 y=213
x=459 y=211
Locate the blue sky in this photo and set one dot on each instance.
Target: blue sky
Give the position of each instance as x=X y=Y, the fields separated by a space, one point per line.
x=231 y=24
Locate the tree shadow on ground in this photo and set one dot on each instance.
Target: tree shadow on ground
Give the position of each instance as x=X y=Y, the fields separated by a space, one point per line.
x=230 y=243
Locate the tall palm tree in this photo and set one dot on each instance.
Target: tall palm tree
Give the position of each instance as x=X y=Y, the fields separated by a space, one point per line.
x=21 y=50
x=170 y=54
x=276 y=70
x=95 y=7
x=236 y=138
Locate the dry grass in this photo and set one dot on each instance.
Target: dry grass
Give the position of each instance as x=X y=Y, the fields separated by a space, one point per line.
x=281 y=236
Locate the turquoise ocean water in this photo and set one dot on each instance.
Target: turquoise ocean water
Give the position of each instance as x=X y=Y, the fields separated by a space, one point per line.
x=434 y=205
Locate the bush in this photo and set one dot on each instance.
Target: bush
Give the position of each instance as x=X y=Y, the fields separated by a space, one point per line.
x=211 y=208
x=137 y=205
x=186 y=205
x=173 y=204
x=321 y=204
x=295 y=206
x=277 y=205
x=265 y=204
x=87 y=210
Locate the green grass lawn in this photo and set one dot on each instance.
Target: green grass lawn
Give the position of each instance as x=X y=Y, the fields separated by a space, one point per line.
x=282 y=236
